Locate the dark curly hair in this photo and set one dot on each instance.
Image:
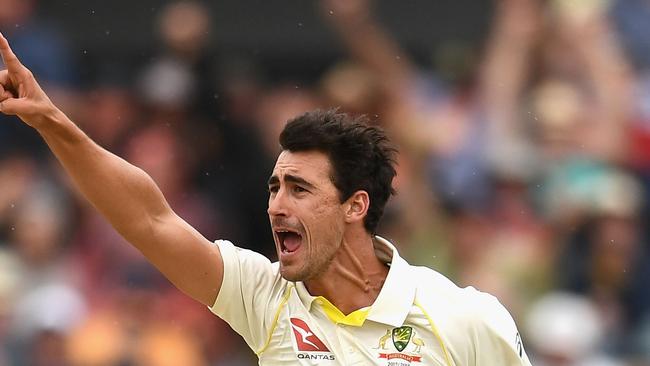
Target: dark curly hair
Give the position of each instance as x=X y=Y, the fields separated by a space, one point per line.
x=361 y=155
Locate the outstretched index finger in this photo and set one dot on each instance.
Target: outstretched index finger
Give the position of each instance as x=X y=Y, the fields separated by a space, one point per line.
x=11 y=61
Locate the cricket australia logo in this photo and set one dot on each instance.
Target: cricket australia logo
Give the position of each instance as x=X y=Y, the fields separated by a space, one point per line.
x=405 y=342
x=309 y=345
x=401 y=337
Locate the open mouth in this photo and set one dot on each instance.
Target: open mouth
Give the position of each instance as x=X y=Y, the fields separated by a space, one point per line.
x=289 y=240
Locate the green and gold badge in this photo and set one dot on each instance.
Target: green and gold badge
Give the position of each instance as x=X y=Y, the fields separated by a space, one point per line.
x=402 y=337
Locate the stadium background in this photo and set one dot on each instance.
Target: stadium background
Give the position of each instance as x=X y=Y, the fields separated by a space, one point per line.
x=524 y=128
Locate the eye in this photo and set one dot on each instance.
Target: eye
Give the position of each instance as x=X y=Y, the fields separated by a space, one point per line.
x=273 y=189
x=299 y=189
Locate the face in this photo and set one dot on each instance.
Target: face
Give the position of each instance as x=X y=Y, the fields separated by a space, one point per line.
x=306 y=216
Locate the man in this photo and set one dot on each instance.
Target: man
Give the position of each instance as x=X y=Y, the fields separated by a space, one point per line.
x=339 y=295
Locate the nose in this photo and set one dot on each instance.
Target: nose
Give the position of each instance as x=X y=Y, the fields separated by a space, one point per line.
x=277 y=204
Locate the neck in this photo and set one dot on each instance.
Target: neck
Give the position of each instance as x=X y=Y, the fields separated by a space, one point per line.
x=354 y=278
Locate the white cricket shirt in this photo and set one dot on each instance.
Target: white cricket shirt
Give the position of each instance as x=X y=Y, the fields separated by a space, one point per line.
x=419 y=318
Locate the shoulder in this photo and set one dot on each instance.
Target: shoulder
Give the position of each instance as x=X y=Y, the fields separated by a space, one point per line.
x=251 y=283
x=436 y=291
x=433 y=285
x=247 y=272
x=462 y=314
x=244 y=256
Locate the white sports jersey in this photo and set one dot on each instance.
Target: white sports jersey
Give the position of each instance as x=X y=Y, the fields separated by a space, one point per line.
x=419 y=318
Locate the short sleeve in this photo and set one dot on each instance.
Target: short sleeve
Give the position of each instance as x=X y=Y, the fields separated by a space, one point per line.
x=250 y=293
x=497 y=340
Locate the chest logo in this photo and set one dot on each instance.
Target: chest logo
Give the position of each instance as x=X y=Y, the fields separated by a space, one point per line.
x=305 y=338
x=406 y=348
x=401 y=337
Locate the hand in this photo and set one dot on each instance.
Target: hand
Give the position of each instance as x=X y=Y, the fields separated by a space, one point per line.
x=20 y=94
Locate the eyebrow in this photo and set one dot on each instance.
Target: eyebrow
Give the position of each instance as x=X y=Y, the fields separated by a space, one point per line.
x=273 y=180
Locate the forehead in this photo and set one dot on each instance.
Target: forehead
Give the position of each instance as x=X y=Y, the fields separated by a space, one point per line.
x=313 y=165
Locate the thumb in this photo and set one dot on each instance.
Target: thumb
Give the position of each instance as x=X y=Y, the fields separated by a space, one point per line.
x=13 y=106
x=32 y=113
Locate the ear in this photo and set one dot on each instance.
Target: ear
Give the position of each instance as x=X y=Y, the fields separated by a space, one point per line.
x=356 y=207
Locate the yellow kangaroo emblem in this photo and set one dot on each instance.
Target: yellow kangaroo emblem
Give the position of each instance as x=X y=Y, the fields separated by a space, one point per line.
x=418 y=342
x=383 y=339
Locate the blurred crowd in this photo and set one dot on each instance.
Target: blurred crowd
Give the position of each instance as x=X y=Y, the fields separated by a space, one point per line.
x=524 y=172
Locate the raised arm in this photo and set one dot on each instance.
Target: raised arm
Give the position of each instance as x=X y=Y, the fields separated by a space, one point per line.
x=369 y=44
x=607 y=73
x=506 y=66
x=123 y=193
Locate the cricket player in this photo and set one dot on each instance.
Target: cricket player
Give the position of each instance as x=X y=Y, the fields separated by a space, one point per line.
x=339 y=294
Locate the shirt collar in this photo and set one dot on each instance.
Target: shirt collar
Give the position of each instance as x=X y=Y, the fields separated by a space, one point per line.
x=396 y=297
x=397 y=294
x=304 y=295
